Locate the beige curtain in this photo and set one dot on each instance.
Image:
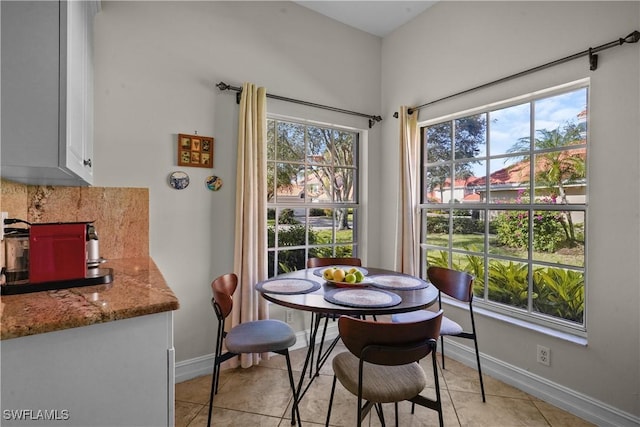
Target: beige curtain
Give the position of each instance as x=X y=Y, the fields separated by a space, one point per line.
x=407 y=239
x=250 y=254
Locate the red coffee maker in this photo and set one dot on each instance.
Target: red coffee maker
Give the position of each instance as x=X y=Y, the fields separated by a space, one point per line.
x=57 y=251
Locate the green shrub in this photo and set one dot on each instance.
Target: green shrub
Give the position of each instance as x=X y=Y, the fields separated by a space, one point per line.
x=557 y=292
x=287 y=217
x=512 y=230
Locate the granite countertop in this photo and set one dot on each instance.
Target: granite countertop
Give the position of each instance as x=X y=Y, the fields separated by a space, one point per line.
x=138 y=289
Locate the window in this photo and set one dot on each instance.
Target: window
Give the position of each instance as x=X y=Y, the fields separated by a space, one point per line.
x=504 y=197
x=312 y=201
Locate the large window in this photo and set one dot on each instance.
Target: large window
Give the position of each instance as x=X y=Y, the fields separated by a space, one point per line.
x=504 y=197
x=312 y=180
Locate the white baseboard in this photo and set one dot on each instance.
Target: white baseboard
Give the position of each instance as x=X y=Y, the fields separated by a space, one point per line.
x=583 y=406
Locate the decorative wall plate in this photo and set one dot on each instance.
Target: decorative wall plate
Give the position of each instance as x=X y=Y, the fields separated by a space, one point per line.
x=179 y=180
x=214 y=183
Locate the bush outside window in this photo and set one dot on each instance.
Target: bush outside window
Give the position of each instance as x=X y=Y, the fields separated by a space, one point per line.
x=504 y=197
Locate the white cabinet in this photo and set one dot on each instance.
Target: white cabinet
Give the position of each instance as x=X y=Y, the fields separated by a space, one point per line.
x=114 y=374
x=47 y=92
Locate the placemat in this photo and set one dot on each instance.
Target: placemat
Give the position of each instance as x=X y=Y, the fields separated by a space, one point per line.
x=397 y=282
x=362 y=297
x=288 y=286
x=318 y=271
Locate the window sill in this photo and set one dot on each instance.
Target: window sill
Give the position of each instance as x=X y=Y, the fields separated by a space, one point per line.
x=565 y=336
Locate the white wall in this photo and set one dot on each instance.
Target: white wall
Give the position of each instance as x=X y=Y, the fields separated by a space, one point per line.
x=157 y=64
x=454 y=46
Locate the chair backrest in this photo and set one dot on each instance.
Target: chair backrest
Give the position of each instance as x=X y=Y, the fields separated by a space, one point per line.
x=323 y=262
x=456 y=284
x=223 y=288
x=389 y=343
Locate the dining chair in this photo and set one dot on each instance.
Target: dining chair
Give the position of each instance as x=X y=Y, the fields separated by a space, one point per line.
x=458 y=285
x=258 y=336
x=326 y=262
x=381 y=364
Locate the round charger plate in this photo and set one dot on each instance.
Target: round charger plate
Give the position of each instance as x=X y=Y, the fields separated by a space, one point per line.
x=318 y=271
x=362 y=297
x=287 y=286
x=397 y=282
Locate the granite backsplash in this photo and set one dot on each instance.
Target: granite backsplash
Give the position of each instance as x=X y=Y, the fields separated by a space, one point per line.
x=120 y=215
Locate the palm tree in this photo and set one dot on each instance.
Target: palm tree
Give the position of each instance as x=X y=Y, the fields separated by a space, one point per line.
x=558 y=167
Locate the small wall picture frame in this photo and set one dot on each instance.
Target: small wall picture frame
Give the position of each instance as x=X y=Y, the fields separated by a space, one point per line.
x=195 y=151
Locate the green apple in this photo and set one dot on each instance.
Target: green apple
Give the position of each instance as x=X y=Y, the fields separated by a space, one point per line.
x=359 y=276
x=350 y=278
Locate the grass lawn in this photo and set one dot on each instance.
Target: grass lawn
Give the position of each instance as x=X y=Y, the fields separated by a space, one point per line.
x=574 y=256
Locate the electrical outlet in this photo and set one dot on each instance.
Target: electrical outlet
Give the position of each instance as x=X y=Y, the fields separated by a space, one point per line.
x=544 y=355
x=5 y=215
x=289 y=316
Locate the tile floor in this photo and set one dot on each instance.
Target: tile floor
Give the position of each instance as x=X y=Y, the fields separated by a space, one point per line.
x=260 y=396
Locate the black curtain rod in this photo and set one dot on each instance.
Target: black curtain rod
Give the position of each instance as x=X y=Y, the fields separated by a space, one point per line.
x=634 y=37
x=372 y=119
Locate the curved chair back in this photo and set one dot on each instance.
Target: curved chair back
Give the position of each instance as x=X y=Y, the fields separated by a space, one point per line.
x=323 y=262
x=384 y=343
x=223 y=288
x=456 y=284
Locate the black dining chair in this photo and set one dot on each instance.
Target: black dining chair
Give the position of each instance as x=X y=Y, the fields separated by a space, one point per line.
x=326 y=262
x=381 y=364
x=259 y=336
x=458 y=285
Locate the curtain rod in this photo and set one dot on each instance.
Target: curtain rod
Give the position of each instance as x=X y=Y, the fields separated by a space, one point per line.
x=372 y=119
x=634 y=37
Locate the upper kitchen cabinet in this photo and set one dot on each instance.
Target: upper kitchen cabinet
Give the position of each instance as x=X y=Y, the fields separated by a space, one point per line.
x=47 y=92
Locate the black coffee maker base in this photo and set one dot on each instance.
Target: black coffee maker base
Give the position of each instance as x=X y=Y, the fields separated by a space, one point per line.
x=100 y=276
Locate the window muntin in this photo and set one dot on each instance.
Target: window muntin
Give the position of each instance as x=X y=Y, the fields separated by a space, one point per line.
x=479 y=172
x=313 y=205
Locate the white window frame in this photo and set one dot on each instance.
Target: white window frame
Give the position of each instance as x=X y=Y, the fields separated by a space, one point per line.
x=360 y=224
x=569 y=331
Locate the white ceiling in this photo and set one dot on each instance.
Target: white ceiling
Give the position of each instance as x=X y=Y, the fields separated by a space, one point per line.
x=375 y=17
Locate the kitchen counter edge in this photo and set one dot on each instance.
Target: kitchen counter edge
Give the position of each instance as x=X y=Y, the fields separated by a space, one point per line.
x=138 y=289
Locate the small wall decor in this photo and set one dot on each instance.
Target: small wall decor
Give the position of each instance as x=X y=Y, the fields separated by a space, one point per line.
x=214 y=183
x=195 y=151
x=179 y=180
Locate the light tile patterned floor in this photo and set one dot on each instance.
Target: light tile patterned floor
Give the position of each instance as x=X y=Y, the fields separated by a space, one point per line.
x=260 y=396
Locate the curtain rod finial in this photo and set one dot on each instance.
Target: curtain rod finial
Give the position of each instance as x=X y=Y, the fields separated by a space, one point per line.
x=223 y=86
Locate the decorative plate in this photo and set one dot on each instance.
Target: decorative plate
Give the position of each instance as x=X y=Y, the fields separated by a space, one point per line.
x=179 y=180
x=214 y=183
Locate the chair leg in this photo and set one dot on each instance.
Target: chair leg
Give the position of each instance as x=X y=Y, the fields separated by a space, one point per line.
x=475 y=342
x=437 y=384
x=442 y=349
x=380 y=414
x=295 y=412
x=214 y=386
x=333 y=389
x=396 y=408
